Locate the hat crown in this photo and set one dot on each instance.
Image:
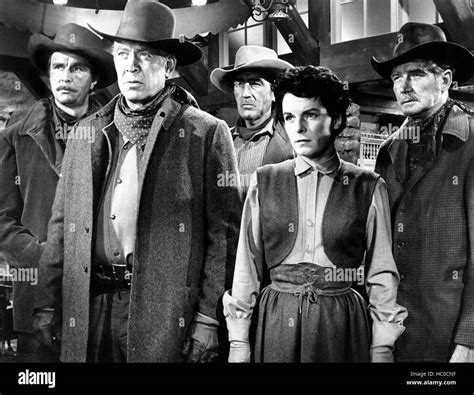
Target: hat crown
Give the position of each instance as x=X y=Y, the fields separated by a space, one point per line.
x=253 y=53
x=76 y=37
x=413 y=34
x=146 y=21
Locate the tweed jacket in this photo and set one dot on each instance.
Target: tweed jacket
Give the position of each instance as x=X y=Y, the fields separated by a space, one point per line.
x=433 y=240
x=29 y=172
x=187 y=230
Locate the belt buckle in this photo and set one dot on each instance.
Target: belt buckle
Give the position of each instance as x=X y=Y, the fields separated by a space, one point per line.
x=116 y=275
x=128 y=277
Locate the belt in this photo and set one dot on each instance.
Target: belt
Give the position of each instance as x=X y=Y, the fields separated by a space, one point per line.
x=306 y=280
x=111 y=277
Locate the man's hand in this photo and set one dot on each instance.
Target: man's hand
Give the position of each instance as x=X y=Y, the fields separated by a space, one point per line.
x=47 y=327
x=202 y=343
x=381 y=354
x=462 y=354
x=239 y=352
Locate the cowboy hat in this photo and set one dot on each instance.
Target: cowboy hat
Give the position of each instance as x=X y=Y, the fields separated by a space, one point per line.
x=249 y=58
x=153 y=24
x=78 y=40
x=425 y=41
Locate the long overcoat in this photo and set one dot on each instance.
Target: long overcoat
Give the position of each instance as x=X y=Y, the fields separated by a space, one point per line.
x=187 y=229
x=29 y=172
x=433 y=240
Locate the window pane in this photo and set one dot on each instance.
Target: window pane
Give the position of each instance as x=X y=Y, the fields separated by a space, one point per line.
x=378 y=17
x=352 y=20
x=302 y=6
x=255 y=35
x=421 y=11
x=282 y=46
x=236 y=40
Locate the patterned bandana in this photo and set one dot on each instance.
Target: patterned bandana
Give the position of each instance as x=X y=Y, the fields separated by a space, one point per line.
x=430 y=141
x=135 y=124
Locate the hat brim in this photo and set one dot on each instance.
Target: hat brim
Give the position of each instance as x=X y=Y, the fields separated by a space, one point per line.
x=223 y=78
x=40 y=48
x=444 y=52
x=186 y=52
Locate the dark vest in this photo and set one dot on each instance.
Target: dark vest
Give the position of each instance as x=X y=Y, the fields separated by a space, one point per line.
x=344 y=220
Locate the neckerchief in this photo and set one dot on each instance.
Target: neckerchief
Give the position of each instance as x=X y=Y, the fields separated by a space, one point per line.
x=248 y=133
x=430 y=142
x=65 y=122
x=135 y=124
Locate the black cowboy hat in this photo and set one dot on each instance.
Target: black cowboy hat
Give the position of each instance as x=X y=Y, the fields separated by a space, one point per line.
x=75 y=39
x=153 y=24
x=425 y=41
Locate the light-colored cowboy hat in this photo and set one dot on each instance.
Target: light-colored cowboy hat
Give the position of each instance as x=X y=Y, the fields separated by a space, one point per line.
x=425 y=41
x=249 y=58
x=153 y=24
x=75 y=39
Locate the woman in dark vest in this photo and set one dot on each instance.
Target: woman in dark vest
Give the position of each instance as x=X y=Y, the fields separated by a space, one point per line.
x=323 y=225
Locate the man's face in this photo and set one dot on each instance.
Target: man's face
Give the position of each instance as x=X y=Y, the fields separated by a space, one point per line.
x=254 y=97
x=308 y=125
x=70 y=78
x=141 y=71
x=419 y=91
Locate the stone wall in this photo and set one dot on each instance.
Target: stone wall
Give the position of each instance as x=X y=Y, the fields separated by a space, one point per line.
x=348 y=142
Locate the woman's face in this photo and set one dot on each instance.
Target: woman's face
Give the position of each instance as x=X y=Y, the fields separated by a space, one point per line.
x=308 y=125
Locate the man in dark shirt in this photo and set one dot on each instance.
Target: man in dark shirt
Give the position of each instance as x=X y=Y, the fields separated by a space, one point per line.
x=31 y=151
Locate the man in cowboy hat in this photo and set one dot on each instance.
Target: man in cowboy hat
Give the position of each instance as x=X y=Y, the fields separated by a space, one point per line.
x=259 y=139
x=31 y=152
x=139 y=276
x=428 y=166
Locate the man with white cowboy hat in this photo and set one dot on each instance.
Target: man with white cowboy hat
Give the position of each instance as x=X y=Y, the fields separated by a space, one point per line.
x=428 y=166
x=31 y=152
x=139 y=276
x=259 y=139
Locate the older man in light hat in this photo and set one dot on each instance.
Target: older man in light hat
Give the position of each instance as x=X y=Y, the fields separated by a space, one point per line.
x=428 y=166
x=31 y=152
x=259 y=139
x=142 y=234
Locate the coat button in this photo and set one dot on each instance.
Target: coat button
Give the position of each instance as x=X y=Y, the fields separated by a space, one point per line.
x=86 y=269
x=401 y=244
x=87 y=229
x=402 y=277
x=113 y=216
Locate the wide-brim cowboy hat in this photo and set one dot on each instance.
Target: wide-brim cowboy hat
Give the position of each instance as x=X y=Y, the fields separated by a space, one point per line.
x=427 y=42
x=76 y=39
x=153 y=24
x=249 y=58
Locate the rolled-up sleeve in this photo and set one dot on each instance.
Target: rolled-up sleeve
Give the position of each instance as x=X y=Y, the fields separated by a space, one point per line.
x=240 y=301
x=382 y=276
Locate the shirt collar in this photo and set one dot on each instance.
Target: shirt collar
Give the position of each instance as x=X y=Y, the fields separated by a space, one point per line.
x=325 y=165
x=268 y=128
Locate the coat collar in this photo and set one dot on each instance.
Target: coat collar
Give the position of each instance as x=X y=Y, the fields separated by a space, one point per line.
x=39 y=125
x=456 y=125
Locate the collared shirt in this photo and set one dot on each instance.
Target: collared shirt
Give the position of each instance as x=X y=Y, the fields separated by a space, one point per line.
x=116 y=223
x=314 y=181
x=251 y=151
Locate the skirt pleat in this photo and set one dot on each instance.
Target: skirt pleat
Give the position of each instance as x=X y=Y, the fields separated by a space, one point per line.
x=333 y=329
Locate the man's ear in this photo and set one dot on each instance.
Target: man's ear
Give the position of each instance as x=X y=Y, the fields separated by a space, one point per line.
x=446 y=80
x=93 y=84
x=170 y=65
x=336 y=123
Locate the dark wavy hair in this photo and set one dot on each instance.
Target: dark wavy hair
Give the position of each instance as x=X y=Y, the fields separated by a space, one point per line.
x=314 y=82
